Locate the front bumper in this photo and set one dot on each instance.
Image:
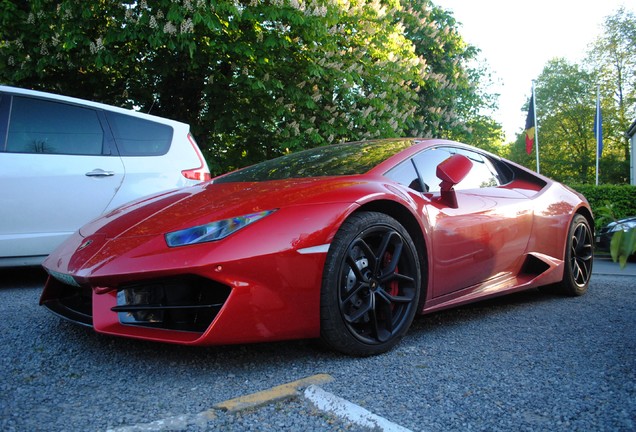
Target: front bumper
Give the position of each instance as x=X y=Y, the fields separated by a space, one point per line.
x=186 y=303
x=252 y=299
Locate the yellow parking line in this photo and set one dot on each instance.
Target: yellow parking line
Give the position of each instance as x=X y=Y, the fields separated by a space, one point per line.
x=267 y=396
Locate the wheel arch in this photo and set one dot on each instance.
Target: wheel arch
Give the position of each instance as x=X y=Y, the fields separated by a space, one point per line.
x=587 y=214
x=409 y=221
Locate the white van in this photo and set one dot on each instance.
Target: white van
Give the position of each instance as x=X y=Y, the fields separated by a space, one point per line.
x=65 y=161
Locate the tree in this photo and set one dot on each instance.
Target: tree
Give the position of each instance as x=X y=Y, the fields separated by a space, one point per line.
x=455 y=96
x=254 y=78
x=566 y=95
x=613 y=58
x=565 y=110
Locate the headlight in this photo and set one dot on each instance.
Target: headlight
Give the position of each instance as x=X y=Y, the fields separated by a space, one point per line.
x=622 y=226
x=214 y=230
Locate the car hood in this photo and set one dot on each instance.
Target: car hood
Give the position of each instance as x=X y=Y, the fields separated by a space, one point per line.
x=211 y=202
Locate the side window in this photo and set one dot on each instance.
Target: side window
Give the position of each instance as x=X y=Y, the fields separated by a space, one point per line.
x=426 y=163
x=406 y=174
x=41 y=126
x=481 y=175
x=139 y=137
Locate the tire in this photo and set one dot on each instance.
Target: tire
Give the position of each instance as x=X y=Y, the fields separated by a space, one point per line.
x=579 y=258
x=370 y=287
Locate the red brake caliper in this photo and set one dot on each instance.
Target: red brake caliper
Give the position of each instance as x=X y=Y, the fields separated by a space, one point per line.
x=392 y=287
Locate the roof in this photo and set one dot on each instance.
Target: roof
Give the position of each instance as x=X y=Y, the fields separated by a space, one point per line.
x=86 y=103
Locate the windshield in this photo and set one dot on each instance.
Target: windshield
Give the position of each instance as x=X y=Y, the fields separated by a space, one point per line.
x=334 y=160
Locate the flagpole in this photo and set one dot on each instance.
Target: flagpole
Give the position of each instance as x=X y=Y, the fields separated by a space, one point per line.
x=536 y=126
x=597 y=127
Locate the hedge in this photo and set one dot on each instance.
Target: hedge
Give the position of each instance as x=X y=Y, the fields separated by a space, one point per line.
x=621 y=197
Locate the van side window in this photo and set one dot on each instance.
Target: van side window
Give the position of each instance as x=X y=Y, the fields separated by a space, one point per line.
x=139 y=137
x=40 y=126
x=5 y=105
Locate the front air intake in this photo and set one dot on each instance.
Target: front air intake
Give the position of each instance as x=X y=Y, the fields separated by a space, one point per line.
x=186 y=303
x=69 y=301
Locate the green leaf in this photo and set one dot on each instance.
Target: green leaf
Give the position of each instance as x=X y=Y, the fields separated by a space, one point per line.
x=622 y=245
x=628 y=245
x=615 y=245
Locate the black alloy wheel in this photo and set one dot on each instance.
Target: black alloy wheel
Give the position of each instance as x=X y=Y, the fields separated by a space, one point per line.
x=579 y=257
x=371 y=285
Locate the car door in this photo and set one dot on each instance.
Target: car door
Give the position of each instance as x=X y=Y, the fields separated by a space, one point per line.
x=58 y=170
x=485 y=235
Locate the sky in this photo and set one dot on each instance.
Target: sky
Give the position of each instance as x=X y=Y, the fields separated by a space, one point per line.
x=517 y=39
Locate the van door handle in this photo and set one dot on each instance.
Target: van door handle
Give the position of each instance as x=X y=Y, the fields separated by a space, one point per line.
x=100 y=173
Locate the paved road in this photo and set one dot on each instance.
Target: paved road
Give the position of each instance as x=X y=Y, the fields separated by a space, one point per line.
x=603 y=265
x=526 y=362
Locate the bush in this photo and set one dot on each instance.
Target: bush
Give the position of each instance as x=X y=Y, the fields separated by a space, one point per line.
x=622 y=199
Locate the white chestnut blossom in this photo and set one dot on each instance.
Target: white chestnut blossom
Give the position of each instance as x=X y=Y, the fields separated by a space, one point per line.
x=169 y=28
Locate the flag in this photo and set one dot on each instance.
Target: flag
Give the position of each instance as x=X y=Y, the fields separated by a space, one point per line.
x=598 y=130
x=530 y=127
x=598 y=127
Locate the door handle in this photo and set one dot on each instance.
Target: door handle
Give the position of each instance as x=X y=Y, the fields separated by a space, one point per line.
x=100 y=173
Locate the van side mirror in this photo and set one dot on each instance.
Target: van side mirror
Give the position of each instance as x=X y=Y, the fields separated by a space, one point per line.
x=452 y=171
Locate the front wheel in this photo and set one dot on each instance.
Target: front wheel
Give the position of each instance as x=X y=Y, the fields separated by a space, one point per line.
x=370 y=288
x=579 y=257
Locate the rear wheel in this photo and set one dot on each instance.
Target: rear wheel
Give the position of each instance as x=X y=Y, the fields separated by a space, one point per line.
x=370 y=289
x=579 y=257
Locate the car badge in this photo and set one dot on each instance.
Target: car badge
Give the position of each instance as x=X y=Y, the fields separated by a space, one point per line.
x=84 y=245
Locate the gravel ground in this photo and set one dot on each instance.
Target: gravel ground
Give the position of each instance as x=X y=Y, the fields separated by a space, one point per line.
x=528 y=362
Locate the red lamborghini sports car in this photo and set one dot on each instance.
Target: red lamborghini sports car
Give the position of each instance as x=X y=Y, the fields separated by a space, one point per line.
x=345 y=243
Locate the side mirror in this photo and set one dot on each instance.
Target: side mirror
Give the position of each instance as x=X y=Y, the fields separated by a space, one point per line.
x=452 y=171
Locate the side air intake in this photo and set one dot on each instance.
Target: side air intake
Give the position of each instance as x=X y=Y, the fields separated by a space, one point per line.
x=534 y=266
